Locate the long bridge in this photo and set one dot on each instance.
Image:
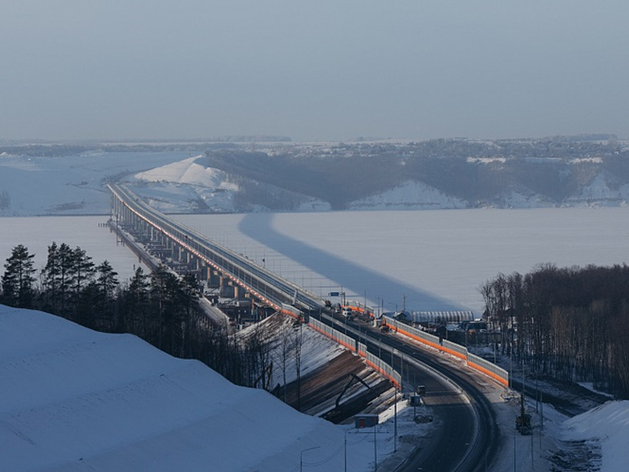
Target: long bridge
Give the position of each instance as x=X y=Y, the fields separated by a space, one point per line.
x=207 y=258
x=468 y=431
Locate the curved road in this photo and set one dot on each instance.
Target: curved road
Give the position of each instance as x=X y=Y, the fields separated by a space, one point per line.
x=468 y=437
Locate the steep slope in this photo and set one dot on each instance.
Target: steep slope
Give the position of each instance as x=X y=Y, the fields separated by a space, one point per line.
x=81 y=400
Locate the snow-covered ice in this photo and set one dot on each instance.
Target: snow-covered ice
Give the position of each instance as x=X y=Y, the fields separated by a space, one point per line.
x=88 y=232
x=429 y=260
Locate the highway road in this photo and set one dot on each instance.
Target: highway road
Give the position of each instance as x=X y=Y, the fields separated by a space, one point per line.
x=467 y=437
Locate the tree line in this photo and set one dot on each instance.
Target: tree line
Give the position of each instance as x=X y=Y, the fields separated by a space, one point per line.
x=566 y=323
x=161 y=308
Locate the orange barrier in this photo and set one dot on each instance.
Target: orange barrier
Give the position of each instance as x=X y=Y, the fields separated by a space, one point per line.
x=382 y=372
x=497 y=378
x=500 y=379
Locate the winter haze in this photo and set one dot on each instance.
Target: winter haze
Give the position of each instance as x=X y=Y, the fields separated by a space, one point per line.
x=313 y=70
x=390 y=78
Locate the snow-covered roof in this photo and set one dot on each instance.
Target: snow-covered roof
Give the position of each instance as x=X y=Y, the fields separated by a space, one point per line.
x=442 y=316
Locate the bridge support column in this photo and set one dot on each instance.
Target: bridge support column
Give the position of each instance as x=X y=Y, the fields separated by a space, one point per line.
x=213 y=278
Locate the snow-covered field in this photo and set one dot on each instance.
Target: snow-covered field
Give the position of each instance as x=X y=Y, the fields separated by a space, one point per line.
x=70 y=185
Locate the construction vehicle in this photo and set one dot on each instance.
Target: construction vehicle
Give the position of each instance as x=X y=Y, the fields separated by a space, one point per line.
x=352 y=379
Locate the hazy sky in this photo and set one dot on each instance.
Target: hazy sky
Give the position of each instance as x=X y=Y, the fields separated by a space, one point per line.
x=313 y=70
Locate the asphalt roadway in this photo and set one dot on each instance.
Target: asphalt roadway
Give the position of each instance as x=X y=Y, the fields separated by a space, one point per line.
x=467 y=436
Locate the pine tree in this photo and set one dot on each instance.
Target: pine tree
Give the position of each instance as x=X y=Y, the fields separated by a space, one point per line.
x=58 y=278
x=107 y=279
x=96 y=305
x=167 y=301
x=50 y=279
x=66 y=273
x=136 y=302
x=18 y=281
x=82 y=269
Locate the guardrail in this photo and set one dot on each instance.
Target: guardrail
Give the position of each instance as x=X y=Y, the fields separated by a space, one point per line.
x=330 y=332
x=385 y=369
x=358 y=348
x=488 y=368
x=473 y=361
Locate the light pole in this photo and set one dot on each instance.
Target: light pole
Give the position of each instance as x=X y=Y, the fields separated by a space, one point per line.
x=375 y=449
x=301 y=456
x=345 y=447
x=395 y=421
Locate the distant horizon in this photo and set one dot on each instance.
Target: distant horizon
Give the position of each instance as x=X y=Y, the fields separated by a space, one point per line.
x=250 y=138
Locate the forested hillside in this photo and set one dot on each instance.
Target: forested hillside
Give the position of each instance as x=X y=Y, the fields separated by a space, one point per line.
x=565 y=323
x=160 y=308
x=591 y=170
x=531 y=173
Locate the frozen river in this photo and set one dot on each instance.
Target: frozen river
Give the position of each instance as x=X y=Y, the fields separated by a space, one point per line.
x=38 y=232
x=425 y=260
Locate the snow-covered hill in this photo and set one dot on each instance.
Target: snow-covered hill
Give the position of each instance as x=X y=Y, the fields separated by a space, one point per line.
x=604 y=430
x=439 y=174
x=188 y=171
x=409 y=195
x=72 y=399
x=188 y=186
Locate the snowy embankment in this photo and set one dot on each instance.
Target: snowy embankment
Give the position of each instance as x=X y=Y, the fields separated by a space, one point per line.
x=75 y=399
x=605 y=427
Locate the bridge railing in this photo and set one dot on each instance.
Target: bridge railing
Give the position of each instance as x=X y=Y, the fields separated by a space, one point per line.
x=335 y=335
